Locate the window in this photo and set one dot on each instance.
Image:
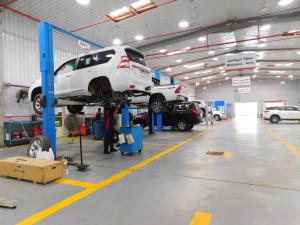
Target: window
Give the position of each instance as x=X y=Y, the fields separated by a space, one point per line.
x=95 y=59
x=135 y=56
x=66 y=67
x=291 y=108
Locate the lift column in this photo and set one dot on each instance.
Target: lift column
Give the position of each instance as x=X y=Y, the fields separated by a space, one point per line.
x=159 y=123
x=47 y=72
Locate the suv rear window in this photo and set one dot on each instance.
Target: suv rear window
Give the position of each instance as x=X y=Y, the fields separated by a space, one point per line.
x=135 y=56
x=95 y=59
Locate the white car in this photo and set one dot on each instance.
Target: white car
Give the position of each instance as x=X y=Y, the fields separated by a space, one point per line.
x=163 y=95
x=103 y=75
x=276 y=114
x=217 y=115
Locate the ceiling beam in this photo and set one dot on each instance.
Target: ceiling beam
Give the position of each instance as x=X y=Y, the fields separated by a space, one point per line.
x=227 y=26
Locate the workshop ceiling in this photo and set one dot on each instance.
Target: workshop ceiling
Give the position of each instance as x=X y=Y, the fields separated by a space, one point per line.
x=215 y=21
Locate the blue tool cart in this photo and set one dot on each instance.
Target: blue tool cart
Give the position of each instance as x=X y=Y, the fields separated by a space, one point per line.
x=137 y=145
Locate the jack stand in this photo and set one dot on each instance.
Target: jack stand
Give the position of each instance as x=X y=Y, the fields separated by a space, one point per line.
x=81 y=167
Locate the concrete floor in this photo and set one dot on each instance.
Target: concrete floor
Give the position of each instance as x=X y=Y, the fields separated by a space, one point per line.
x=258 y=184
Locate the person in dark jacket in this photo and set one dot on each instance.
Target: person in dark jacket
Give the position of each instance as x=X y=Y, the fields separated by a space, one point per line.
x=109 y=128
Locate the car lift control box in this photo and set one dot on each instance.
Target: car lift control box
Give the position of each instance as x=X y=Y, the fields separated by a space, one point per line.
x=35 y=170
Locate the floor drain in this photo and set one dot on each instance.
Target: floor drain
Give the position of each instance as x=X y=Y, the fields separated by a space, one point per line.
x=215 y=153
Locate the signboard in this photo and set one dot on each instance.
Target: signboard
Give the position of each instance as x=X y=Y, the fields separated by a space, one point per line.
x=244 y=90
x=83 y=44
x=240 y=62
x=241 y=81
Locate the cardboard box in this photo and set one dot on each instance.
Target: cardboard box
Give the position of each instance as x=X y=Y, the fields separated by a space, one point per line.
x=35 y=170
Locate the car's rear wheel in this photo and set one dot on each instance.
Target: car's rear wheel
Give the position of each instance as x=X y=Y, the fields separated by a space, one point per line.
x=37 y=104
x=274 y=119
x=157 y=105
x=75 y=109
x=217 y=117
x=182 y=125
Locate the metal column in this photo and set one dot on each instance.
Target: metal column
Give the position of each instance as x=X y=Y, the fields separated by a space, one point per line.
x=47 y=72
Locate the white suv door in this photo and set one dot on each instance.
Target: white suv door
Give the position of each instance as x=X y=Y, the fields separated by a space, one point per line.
x=293 y=112
x=62 y=78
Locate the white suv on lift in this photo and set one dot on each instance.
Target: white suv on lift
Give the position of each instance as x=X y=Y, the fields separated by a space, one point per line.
x=103 y=75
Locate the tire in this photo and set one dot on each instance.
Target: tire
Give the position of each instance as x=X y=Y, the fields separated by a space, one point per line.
x=157 y=105
x=75 y=109
x=190 y=127
x=274 y=119
x=217 y=117
x=37 y=104
x=36 y=144
x=182 y=125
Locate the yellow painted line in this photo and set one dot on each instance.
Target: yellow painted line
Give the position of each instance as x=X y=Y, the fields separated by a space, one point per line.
x=74 y=183
x=227 y=154
x=290 y=147
x=82 y=194
x=201 y=218
x=157 y=144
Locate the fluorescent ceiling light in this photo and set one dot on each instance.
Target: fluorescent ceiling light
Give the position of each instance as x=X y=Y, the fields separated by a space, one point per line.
x=197 y=83
x=278 y=76
x=197 y=73
x=83 y=2
x=190 y=66
x=117 y=41
x=223 y=71
x=221 y=68
x=187 y=48
x=121 y=14
x=186 y=78
x=143 y=5
x=265 y=27
x=169 y=69
x=262 y=45
x=291 y=76
x=230 y=54
x=175 y=52
x=276 y=71
x=208 y=82
x=139 y=37
x=227 y=78
x=183 y=24
x=207 y=71
x=285 y=2
x=163 y=50
x=178 y=60
x=216 y=59
x=204 y=88
x=294 y=31
x=298 y=53
x=211 y=52
x=202 y=39
x=282 y=82
x=284 y=65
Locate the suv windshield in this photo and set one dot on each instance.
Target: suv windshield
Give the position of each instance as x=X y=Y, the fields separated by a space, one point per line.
x=135 y=56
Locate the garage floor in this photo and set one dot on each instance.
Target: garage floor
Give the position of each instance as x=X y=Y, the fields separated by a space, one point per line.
x=173 y=181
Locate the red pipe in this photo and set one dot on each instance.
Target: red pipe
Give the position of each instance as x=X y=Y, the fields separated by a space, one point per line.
x=20 y=13
x=104 y=21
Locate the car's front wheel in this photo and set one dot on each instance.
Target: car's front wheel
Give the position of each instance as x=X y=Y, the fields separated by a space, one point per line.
x=217 y=117
x=182 y=125
x=274 y=119
x=75 y=109
x=37 y=104
x=157 y=105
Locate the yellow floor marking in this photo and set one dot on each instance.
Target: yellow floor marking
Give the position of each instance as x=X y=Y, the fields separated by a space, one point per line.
x=283 y=141
x=84 y=193
x=74 y=183
x=157 y=144
x=227 y=154
x=201 y=218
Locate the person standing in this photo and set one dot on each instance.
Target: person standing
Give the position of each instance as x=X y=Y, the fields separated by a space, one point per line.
x=99 y=131
x=109 y=128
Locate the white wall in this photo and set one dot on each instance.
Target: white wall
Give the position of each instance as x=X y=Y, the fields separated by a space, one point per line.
x=262 y=90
